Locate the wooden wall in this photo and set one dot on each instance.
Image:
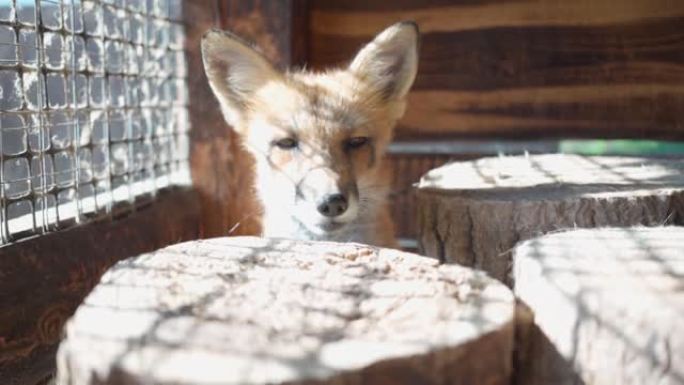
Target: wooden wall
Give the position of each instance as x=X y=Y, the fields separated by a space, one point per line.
x=526 y=68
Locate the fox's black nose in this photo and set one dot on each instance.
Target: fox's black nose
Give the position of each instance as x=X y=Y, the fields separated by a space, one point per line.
x=333 y=205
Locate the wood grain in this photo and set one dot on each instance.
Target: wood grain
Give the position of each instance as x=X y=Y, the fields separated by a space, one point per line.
x=526 y=69
x=361 y=18
x=607 y=305
x=212 y=162
x=278 y=28
x=248 y=310
x=43 y=280
x=405 y=171
x=473 y=213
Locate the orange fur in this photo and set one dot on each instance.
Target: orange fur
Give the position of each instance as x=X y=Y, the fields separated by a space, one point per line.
x=318 y=139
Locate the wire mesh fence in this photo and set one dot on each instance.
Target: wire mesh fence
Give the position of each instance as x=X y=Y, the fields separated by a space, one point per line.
x=93 y=109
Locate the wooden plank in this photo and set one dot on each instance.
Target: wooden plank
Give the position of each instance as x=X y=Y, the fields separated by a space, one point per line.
x=277 y=27
x=361 y=18
x=527 y=68
x=212 y=162
x=247 y=310
x=44 y=279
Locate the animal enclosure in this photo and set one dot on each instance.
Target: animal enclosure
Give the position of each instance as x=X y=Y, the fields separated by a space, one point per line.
x=112 y=146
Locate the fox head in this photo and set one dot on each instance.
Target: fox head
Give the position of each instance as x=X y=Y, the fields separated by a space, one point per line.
x=318 y=137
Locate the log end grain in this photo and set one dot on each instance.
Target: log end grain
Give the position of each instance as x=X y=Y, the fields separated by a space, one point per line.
x=253 y=310
x=608 y=301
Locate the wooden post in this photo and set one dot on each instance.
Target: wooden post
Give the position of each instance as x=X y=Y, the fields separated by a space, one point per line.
x=255 y=311
x=475 y=212
x=212 y=163
x=607 y=307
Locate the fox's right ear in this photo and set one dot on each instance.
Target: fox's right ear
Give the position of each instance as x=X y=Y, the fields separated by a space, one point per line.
x=235 y=72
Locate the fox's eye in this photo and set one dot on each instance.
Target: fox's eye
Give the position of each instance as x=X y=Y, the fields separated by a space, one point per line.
x=286 y=144
x=356 y=142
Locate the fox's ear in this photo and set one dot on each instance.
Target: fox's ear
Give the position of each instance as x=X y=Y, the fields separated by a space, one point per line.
x=235 y=72
x=389 y=63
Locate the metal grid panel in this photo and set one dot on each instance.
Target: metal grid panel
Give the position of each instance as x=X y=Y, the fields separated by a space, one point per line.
x=93 y=109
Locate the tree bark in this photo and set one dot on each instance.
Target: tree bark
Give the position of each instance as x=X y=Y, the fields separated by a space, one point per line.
x=473 y=213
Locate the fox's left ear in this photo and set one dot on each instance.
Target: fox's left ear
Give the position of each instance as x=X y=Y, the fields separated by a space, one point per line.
x=389 y=63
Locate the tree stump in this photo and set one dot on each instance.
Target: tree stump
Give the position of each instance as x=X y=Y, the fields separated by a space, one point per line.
x=608 y=306
x=473 y=213
x=256 y=311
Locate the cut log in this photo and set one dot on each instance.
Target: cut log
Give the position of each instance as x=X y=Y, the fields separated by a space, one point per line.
x=473 y=213
x=257 y=311
x=608 y=307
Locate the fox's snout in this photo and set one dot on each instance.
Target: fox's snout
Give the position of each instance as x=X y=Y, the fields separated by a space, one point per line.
x=333 y=205
x=328 y=191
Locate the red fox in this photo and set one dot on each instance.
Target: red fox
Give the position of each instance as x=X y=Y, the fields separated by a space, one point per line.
x=318 y=138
